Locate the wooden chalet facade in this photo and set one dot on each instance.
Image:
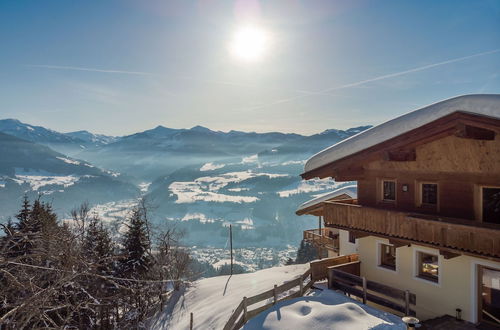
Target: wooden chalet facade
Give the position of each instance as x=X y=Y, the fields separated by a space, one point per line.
x=427 y=212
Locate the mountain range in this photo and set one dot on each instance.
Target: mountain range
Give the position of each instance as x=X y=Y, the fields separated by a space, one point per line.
x=198 y=178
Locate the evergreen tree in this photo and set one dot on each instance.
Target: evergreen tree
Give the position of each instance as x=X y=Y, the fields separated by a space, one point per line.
x=307 y=252
x=136 y=245
x=24 y=214
x=98 y=246
x=9 y=229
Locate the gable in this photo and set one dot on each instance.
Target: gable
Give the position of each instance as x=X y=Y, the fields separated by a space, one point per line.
x=482 y=131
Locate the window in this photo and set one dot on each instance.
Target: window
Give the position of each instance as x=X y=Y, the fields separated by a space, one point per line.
x=388 y=256
x=491 y=205
x=428 y=266
x=389 y=190
x=352 y=237
x=429 y=193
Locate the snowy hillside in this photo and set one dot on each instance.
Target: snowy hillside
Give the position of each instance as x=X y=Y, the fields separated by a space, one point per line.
x=213 y=300
x=33 y=169
x=198 y=180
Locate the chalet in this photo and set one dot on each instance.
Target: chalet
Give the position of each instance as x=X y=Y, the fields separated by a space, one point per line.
x=426 y=215
x=326 y=239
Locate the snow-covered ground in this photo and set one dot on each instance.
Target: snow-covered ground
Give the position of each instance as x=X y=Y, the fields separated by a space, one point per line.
x=39 y=179
x=114 y=211
x=324 y=310
x=207 y=188
x=211 y=167
x=213 y=300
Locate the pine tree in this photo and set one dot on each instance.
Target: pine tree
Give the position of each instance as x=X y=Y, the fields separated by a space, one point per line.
x=23 y=216
x=135 y=253
x=307 y=252
x=9 y=229
x=98 y=246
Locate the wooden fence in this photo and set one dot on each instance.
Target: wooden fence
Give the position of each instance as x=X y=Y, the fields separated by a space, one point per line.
x=319 y=267
x=375 y=292
x=242 y=314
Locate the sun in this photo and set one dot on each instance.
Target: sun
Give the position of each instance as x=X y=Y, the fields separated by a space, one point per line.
x=249 y=43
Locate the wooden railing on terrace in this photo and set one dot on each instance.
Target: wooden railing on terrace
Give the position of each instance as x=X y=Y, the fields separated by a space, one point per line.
x=378 y=293
x=322 y=238
x=319 y=268
x=241 y=314
x=457 y=234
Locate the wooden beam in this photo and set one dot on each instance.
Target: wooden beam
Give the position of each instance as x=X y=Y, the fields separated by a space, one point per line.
x=360 y=234
x=448 y=255
x=398 y=243
x=473 y=132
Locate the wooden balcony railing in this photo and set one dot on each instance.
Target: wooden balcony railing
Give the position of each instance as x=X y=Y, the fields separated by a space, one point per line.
x=319 y=268
x=323 y=238
x=459 y=235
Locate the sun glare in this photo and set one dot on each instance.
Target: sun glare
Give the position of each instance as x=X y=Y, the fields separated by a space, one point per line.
x=249 y=43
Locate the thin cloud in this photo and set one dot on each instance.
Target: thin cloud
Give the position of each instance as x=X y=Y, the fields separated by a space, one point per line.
x=78 y=68
x=387 y=76
x=216 y=82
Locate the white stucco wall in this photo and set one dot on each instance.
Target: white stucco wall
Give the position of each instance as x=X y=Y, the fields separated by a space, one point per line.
x=344 y=246
x=457 y=287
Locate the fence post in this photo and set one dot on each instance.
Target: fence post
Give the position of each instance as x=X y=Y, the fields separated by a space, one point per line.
x=245 y=309
x=301 y=284
x=191 y=321
x=407 y=302
x=275 y=292
x=364 y=290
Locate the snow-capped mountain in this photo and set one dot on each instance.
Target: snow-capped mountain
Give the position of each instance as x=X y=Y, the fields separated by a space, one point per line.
x=198 y=178
x=35 y=133
x=308 y=145
x=162 y=150
x=90 y=138
x=33 y=169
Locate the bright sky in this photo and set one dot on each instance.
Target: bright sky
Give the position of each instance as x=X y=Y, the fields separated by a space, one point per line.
x=117 y=67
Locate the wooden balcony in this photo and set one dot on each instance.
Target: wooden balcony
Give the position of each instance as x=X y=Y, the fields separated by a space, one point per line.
x=324 y=238
x=451 y=236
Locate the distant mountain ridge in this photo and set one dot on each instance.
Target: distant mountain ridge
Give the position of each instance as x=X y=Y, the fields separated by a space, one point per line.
x=28 y=168
x=199 y=178
x=162 y=150
x=34 y=133
x=97 y=139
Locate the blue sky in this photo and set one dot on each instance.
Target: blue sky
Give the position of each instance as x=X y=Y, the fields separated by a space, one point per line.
x=117 y=67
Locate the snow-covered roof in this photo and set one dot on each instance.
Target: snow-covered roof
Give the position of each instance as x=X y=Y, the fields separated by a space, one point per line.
x=347 y=190
x=480 y=104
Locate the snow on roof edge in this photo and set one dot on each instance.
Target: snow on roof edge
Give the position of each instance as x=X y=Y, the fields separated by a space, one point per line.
x=480 y=104
x=348 y=190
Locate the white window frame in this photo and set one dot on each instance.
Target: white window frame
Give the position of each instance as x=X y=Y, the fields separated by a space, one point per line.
x=416 y=265
x=379 y=257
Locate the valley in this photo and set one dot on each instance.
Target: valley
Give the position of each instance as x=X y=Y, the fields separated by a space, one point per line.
x=195 y=180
